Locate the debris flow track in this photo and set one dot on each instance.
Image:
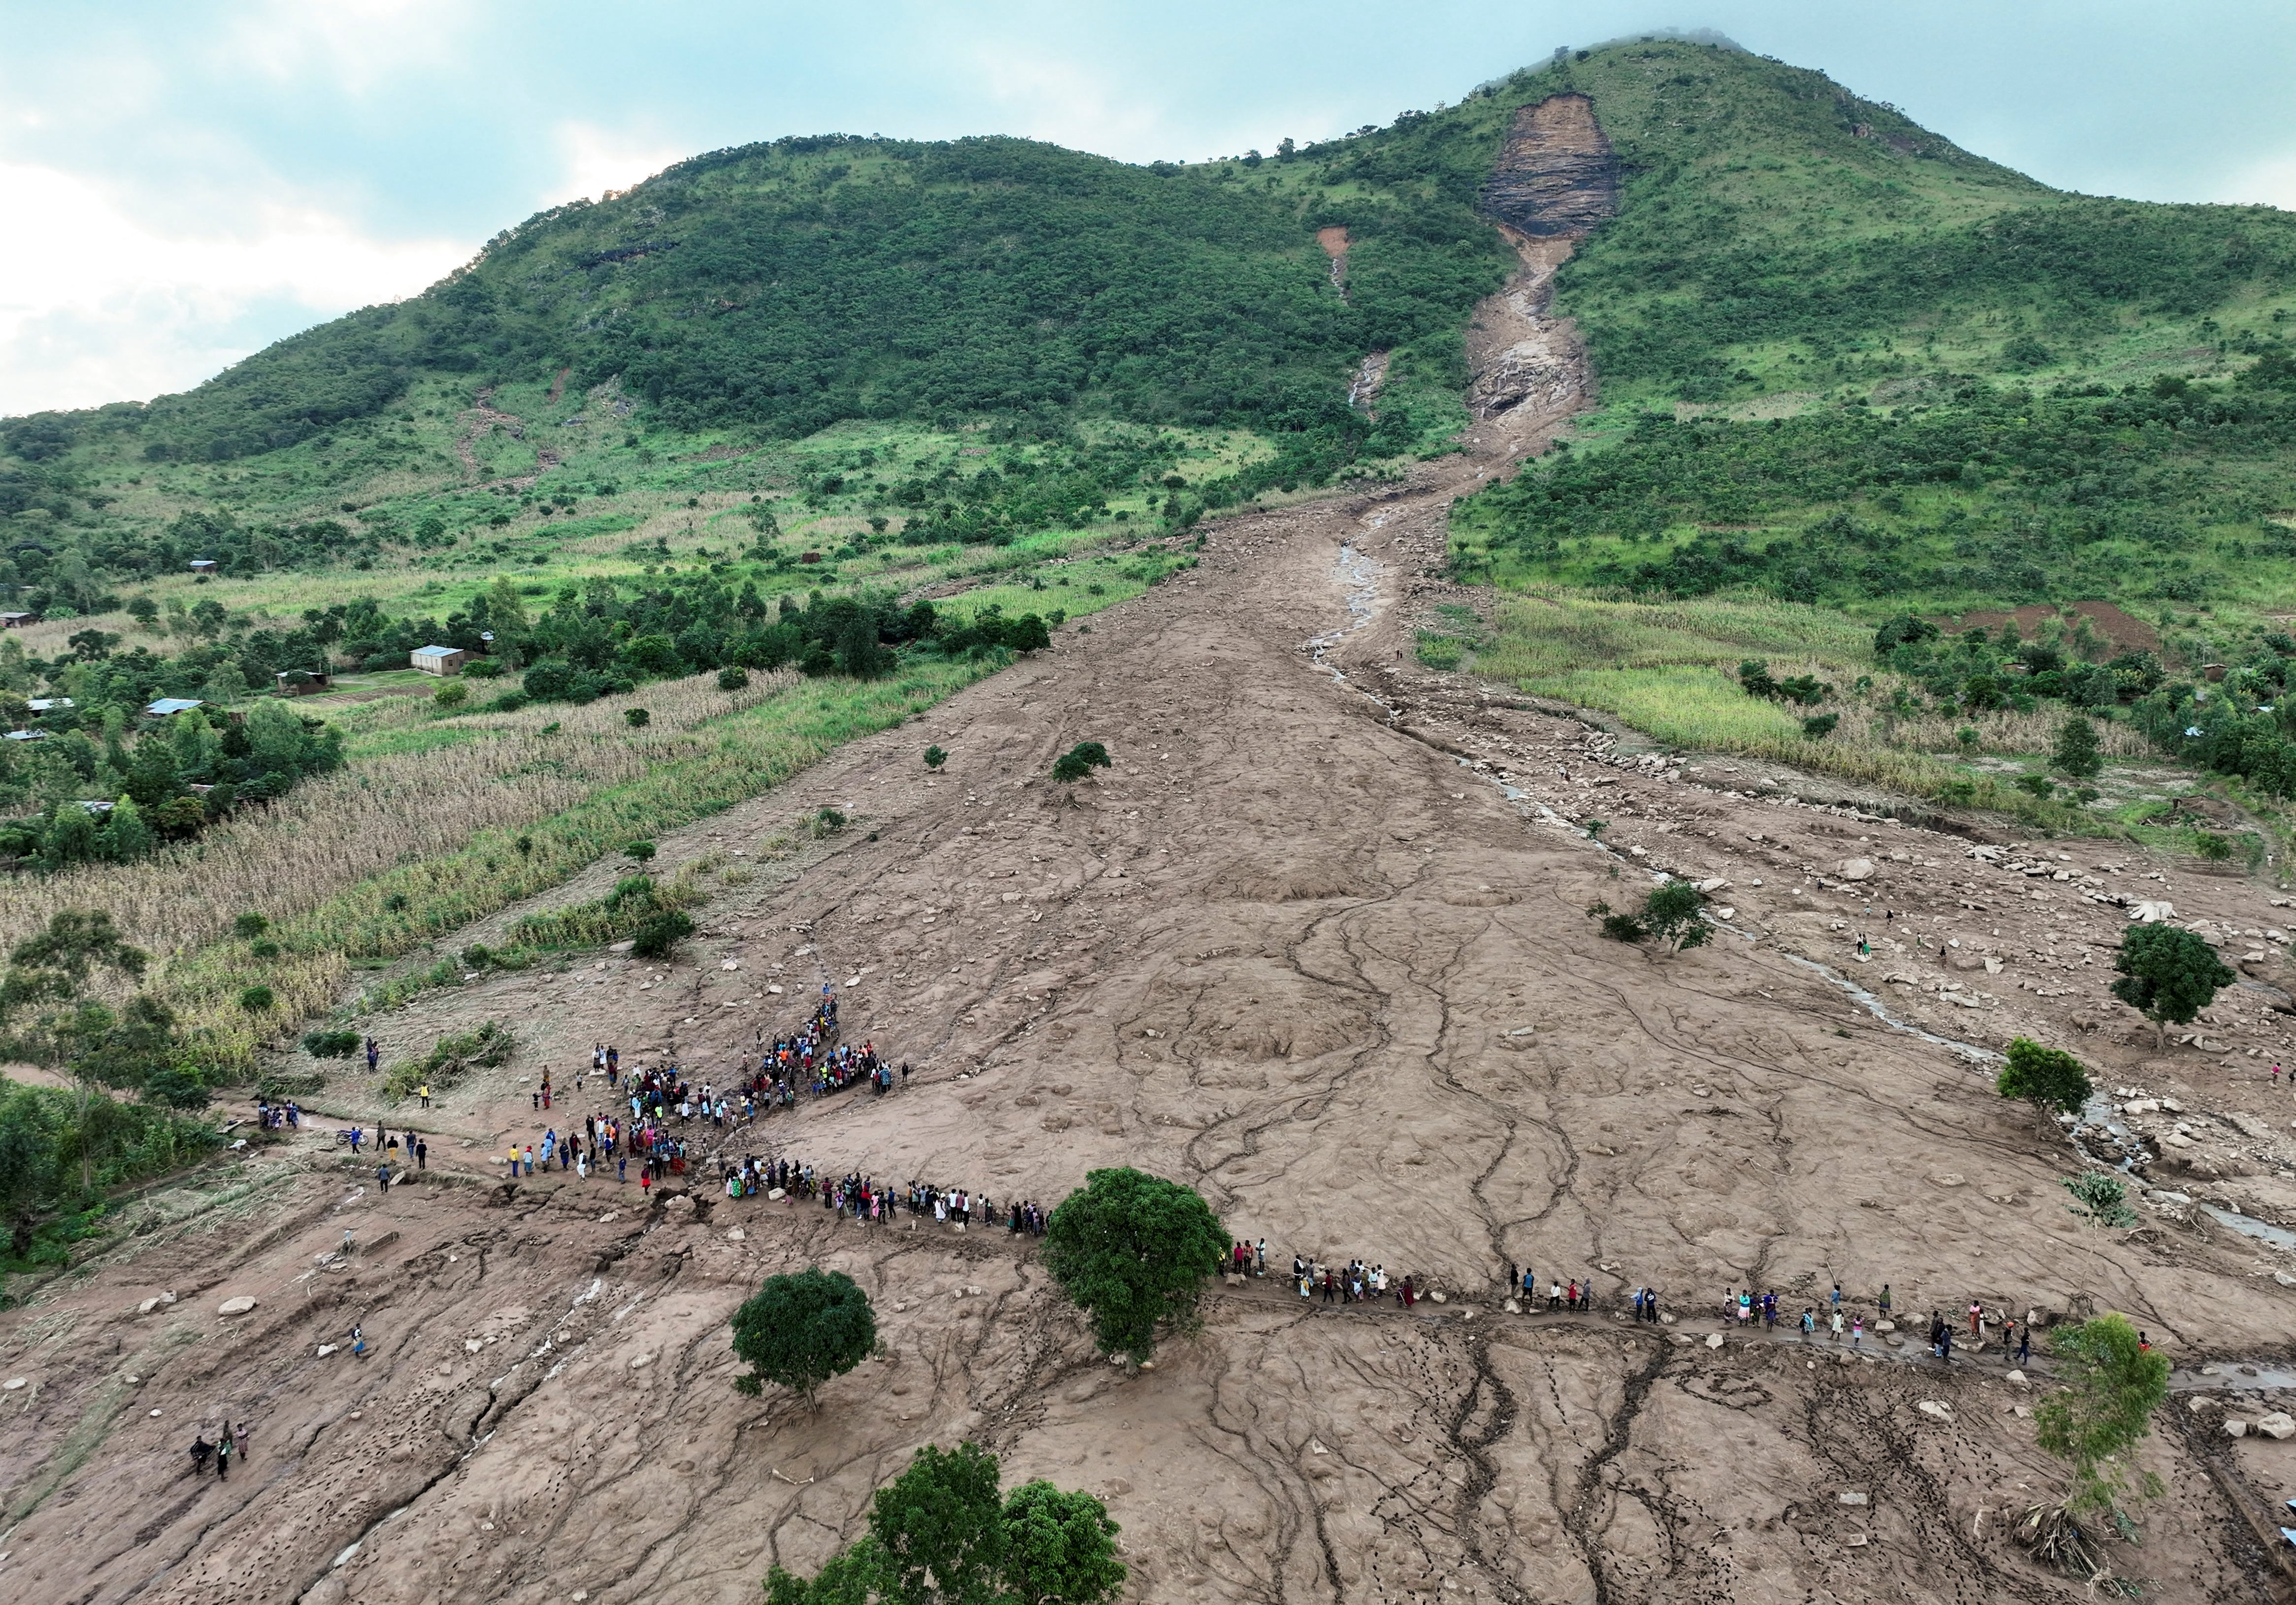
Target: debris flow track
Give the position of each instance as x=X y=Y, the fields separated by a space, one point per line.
x=1287 y=951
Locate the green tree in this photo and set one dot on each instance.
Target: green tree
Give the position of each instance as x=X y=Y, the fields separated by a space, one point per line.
x=1131 y=1250
x=1080 y=761
x=2076 y=754
x=28 y=1146
x=936 y=1526
x=127 y=837
x=2167 y=974
x=2111 y=1384
x=450 y=696
x=939 y=1535
x=2052 y=1079
x=799 y=1331
x=935 y=757
x=640 y=851
x=1671 y=914
x=45 y=1016
x=226 y=683
x=1059 y=1547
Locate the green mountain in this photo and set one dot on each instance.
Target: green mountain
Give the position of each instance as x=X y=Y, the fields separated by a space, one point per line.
x=1840 y=357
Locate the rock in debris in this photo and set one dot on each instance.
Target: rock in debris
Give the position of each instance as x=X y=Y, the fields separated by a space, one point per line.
x=1714 y=1339
x=2236 y=1428
x=236 y=1307
x=2279 y=1424
x=1935 y=1408
x=1855 y=869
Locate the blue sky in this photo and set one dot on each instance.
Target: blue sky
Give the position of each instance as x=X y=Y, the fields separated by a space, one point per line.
x=187 y=180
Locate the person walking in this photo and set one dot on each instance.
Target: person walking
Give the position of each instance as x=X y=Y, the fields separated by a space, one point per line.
x=383 y=1177
x=2024 y=1343
x=423 y=1093
x=1858 y=1331
x=1837 y=1323
x=223 y=1455
x=239 y=1442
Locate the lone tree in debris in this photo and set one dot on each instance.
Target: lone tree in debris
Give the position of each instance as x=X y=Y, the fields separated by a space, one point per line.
x=1131 y=1250
x=801 y=1330
x=2052 y=1079
x=1080 y=761
x=1669 y=913
x=2111 y=1384
x=2167 y=974
x=935 y=757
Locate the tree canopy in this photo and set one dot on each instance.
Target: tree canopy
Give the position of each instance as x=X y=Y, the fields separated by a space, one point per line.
x=2167 y=974
x=1132 y=1249
x=2051 y=1079
x=939 y=1535
x=2111 y=1384
x=801 y=1330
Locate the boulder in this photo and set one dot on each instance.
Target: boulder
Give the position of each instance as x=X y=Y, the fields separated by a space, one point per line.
x=236 y=1307
x=775 y=1194
x=2279 y=1424
x=1855 y=869
x=1714 y=1339
x=2236 y=1428
x=1935 y=1409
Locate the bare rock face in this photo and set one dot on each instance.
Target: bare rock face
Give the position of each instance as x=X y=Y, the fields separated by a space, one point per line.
x=1557 y=174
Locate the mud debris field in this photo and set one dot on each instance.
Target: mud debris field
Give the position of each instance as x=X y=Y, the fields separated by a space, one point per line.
x=1318 y=946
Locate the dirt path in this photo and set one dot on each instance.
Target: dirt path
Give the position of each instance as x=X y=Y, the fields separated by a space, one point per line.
x=1298 y=950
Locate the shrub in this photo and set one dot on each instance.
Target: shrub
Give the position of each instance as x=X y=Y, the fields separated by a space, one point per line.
x=263 y=949
x=451 y=1057
x=482 y=668
x=255 y=1000
x=1670 y=912
x=827 y=822
x=1080 y=761
x=2212 y=846
x=641 y=852
x=453 y=694
x=661 y=933
x=2051 y=1079
x=1819 y=727
x=249 y=926
x=935 y=757
x=2099 y=1198
x=799 y=1331
x=637 y=718
x=1132 y=1249
x=331 y=1044
x=734 y=677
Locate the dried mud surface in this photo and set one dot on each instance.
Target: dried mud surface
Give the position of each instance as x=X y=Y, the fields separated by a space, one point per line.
x=1302 y=949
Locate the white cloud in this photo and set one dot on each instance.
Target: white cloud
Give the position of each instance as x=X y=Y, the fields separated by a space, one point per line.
x=2271 y=182
x=592 y=160
x=112 y=306
x=1069 y=102
x=356 y=45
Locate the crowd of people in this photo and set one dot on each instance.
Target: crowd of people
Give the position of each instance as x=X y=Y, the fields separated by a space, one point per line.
x=812 y=1062
x=857 y=1197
